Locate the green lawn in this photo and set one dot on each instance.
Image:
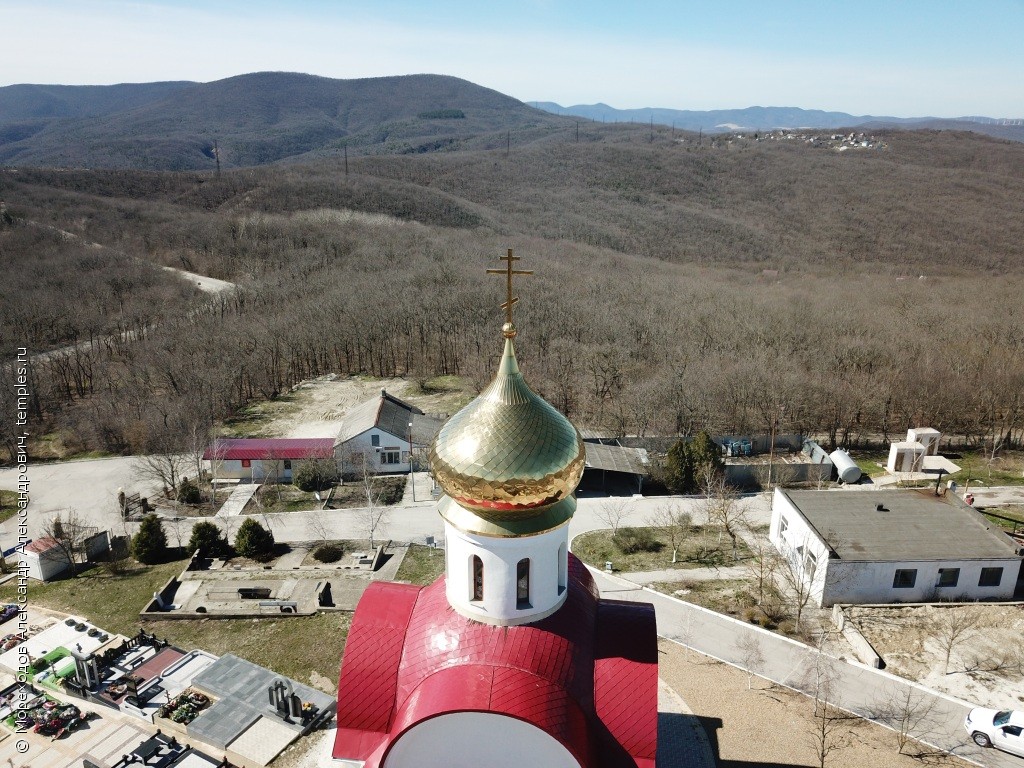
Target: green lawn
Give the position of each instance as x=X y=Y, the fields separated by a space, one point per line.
x=422 y=565
x=704 y=546
x=8 y=504
x=999 y=515
x=869 y=461
x=297 y=647
x=1007 y=468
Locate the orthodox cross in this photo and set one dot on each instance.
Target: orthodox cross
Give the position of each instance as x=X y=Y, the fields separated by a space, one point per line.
x=508 y=272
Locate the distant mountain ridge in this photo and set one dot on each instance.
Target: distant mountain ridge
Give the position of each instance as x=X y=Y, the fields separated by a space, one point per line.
x=775 y=118
x=248 y=120
x=268 y=117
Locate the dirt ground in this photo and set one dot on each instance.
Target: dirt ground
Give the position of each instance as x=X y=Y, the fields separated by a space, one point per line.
x=317 y=407
x=986 y=661
x=770 y=727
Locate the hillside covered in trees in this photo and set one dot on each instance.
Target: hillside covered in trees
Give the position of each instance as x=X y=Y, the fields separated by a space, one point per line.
x=678 y=286
x=253 y=119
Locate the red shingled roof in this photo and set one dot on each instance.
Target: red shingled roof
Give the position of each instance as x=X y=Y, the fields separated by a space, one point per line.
x=256 y=449
x=586 y=675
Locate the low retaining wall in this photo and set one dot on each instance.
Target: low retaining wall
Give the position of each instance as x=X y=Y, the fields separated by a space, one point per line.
x=866 y=653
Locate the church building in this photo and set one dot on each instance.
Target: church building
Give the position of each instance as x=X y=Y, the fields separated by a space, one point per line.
x=511 y=658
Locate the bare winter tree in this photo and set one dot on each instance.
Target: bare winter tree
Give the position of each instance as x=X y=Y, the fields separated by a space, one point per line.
x=953 y=626
x=612 y=511
x=217 y=451
x=909 y=712
x=70 y=532
x=795 y=576
x=316 y=523
x=165 y=464
x=374 y=515
x=176 y=525
x=673 y=523
x=724 y=508
x=830 y=731
x=762 y=566
x=751 y=655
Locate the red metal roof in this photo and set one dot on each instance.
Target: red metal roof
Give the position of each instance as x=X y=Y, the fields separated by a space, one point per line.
x=586 y=675
x=44 y=544
x=256 y=449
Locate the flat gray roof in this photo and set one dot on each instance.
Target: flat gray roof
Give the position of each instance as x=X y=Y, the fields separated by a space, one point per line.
x=913 y=525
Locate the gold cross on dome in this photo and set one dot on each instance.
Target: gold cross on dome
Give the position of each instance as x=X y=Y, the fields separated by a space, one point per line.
x=508 y=272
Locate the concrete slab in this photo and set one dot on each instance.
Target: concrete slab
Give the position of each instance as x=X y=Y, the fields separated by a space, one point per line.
x=224 y=722
x=263 y=740
x=239 y=497
x=292 y=559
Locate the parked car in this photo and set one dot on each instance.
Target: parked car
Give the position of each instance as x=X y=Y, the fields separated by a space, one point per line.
x=1000 y=728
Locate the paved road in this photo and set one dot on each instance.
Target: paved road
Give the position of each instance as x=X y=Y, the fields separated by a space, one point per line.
x=89 y=487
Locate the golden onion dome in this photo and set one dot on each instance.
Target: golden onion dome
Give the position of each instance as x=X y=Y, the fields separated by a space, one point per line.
x=508 y=454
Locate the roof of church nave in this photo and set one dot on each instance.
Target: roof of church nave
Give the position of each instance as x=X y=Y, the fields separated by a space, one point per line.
x=583 y=674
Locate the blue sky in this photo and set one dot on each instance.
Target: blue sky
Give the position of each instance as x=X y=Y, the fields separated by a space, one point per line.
x=944 y=58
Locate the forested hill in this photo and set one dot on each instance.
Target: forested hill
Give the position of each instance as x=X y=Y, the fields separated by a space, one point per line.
x=250 y=120
x=678 y=284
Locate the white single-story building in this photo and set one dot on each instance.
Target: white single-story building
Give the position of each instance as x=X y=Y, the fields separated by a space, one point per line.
x=44 y=559
x=261 y=460
x=897 y=546
x=384 y=434
x=906 y=456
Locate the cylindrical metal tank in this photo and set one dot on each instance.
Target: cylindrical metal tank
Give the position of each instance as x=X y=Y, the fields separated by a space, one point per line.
x=847 y=468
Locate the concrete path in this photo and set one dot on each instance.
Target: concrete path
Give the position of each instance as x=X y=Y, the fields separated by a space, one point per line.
x=419 y=490
x=240 y=496
x=861 y=690
x=643 y=578
x=998 y=496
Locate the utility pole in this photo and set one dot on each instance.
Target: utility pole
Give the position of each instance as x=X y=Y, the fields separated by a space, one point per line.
x=412 y=466
x=216 y=156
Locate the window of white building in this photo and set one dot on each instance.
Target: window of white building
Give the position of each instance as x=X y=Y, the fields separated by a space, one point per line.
x=905 y=578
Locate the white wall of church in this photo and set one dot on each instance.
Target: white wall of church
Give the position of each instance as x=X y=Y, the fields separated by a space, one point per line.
x=474 y=739
x=548 y=565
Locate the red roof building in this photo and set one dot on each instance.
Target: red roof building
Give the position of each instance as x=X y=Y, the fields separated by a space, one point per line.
x=279 y=448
